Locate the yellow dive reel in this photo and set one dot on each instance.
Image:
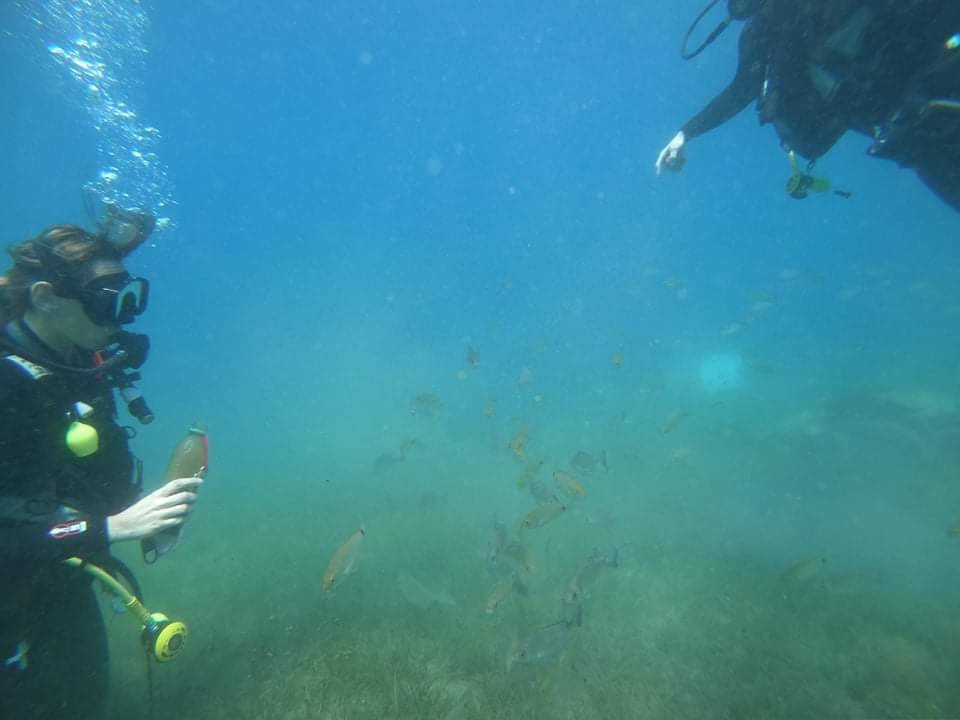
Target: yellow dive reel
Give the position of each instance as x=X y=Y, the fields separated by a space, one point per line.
x=801 y=183
x=162 y=637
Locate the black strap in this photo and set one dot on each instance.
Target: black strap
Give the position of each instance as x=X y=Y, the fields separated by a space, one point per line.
x=689 y=55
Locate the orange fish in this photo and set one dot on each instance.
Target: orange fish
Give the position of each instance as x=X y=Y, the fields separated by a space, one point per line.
x=519 y=444
x=342 y=561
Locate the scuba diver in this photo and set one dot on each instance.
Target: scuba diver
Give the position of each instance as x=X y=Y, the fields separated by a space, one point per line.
x=887 y=69
x=69 y=485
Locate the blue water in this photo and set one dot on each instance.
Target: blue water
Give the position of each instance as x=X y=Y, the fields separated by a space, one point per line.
x=360 y=192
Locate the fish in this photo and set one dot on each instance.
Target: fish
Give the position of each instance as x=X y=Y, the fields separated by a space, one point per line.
x=489 y=406
x=585 y=463
x=954 y=530
x=674 y=418
x=588 y=571
x=519 y=444
x=540 y=516
x=500 y=540
x=501 y=591
x=431 y=499
x=472 y=358
x=672 y=282
x=568 y=483
x=526 y=375
x=427 y=404
x=519 y=553
x=529 y=473
x=541 y=494
x=571 y=610
x=617 y=359
x=542 y=645
x=343 y=559
x=802 y=572
x=388 y=459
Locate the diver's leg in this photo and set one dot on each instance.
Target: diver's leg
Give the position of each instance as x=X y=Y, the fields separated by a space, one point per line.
x=66 y=673
x=86 y=674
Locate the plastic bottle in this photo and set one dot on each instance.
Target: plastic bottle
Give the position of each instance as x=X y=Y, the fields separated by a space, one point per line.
x=190 y=458
x=191 y=455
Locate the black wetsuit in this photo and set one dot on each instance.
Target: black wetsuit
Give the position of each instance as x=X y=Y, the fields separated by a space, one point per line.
x=54 y=505
x=768 y=61
x=819 y=68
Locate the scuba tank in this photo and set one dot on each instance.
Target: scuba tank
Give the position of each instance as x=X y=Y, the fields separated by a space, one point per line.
x=190 y=458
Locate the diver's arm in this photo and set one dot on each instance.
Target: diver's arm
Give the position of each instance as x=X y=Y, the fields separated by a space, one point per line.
x=33 y=533
x=38 y=538
x=744 y=88
x=166 y=507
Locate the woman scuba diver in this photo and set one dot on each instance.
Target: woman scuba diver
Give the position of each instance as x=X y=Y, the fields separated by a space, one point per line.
x=69 y=485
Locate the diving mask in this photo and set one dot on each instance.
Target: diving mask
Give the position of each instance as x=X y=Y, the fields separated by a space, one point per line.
x=115 y=299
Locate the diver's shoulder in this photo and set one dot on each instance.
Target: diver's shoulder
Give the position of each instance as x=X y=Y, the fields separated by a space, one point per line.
x=18 y=373
x=24 y=367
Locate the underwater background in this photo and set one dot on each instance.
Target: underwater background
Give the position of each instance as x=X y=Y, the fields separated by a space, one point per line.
x=420 y=277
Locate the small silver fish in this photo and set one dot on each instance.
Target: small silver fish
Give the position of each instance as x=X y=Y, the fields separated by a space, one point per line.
x=540 y=492
x=500 y=539
x=543 y=645
x=589 y=570
x=427 y=404
x=540 y=516
x=501 y=591
x=387 y=460
x=571 y=611
x=519 y=554
x=803 y=572
x=585 y=463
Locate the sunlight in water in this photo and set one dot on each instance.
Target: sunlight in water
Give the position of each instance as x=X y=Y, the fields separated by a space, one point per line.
x=721 y=372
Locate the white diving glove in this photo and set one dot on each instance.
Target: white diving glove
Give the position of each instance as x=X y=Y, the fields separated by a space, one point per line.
x=672 y=156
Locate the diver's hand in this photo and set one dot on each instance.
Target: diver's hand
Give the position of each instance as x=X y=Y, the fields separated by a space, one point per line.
x=164 y=508
x=672 y=157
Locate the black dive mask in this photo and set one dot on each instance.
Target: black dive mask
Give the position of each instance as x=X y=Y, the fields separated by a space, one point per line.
x=115 y=299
